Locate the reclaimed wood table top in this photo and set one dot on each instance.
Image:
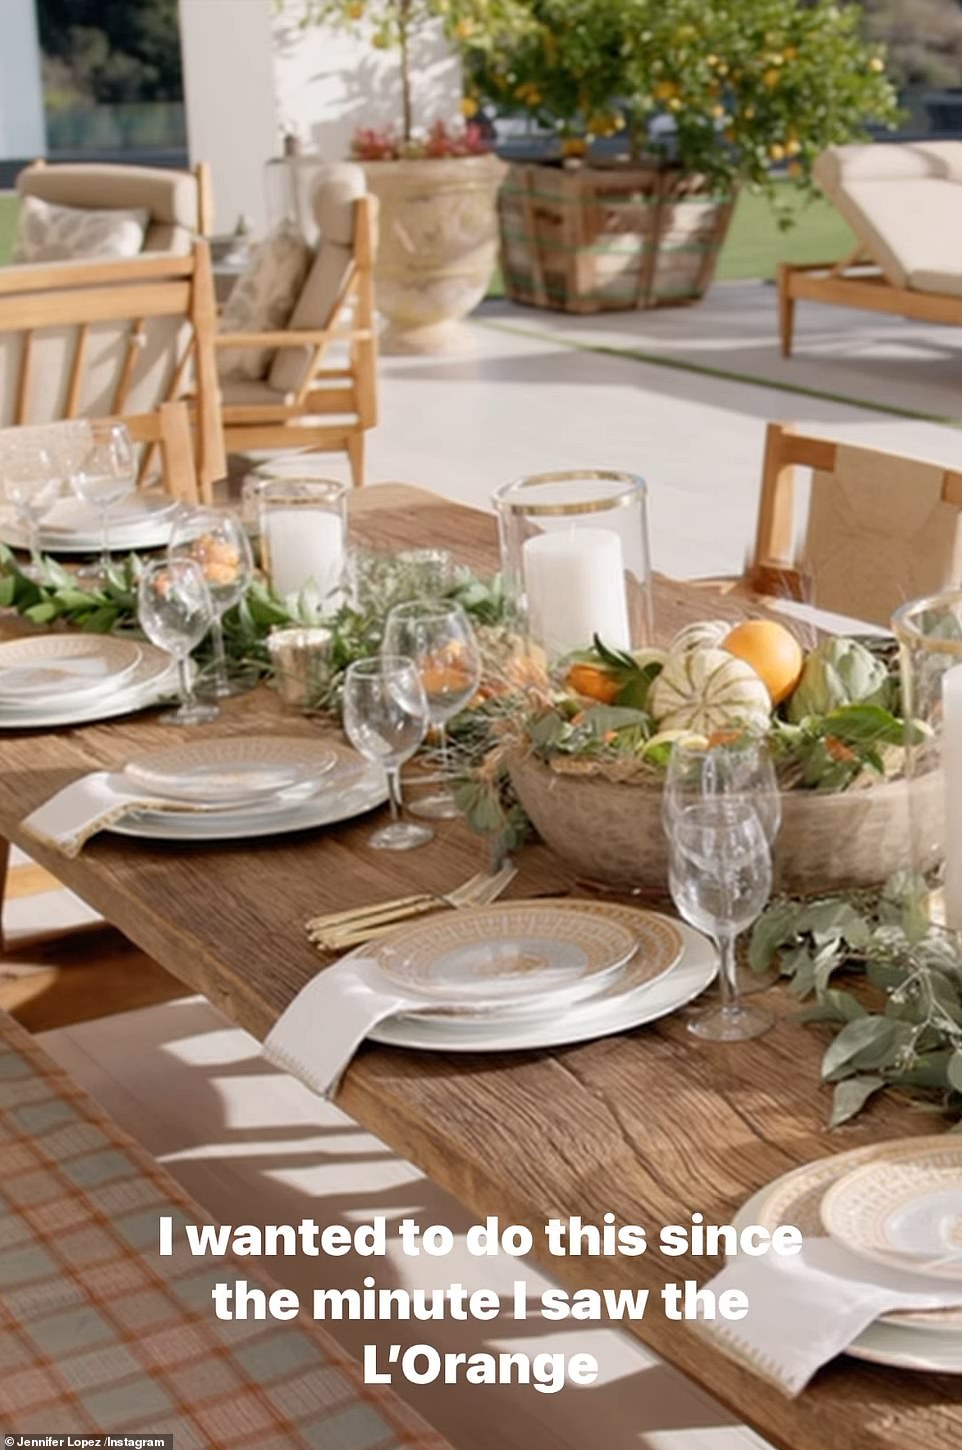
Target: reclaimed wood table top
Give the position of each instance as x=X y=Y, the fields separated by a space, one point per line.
x=650 y=1125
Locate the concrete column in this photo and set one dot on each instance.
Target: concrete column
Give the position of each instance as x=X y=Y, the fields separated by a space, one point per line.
x=22 y=133
x=229 y=95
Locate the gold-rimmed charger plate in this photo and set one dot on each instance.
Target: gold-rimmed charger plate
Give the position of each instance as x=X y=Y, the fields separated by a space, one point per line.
x=903 y=1209
x=658 y=947
x=796 y=1198
x=508 y=953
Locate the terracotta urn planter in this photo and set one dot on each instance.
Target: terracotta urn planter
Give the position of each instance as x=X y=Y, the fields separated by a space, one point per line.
x=437 y=248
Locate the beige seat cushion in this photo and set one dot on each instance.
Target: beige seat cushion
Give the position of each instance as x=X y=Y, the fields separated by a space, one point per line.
x=263 y=300
x=47 y=232
x=170 y=197
x=334 y=198
x=258 y=392
x=905 y=204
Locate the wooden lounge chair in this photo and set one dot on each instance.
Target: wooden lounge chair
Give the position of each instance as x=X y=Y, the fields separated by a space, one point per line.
x=305 y=400
x=179 y=204
x=880 y=528
x=904 y=204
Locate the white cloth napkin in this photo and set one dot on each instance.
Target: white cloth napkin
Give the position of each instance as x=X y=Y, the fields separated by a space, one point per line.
x=88 y=805
x=319 y=1033
x=806 y=1309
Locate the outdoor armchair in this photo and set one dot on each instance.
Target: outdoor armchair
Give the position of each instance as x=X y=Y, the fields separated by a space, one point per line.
x=904 y=203
x=305 y=399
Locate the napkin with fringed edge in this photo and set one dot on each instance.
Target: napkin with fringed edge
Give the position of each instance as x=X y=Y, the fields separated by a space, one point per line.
x=806 y=1308
x=317 y=1035
x=67 y=820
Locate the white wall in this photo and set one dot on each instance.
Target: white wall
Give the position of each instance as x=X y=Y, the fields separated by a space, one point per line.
x=330 y=82
x=228 y=56
x=22 y=133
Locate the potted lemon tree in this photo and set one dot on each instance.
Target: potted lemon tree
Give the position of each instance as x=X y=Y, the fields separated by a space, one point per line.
x=437 y=188
x=696 y=99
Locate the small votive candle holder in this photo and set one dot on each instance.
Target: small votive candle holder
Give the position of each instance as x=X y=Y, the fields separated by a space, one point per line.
x=301 y=658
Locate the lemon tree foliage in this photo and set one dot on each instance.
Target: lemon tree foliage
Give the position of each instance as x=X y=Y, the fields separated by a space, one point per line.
x=722 y=90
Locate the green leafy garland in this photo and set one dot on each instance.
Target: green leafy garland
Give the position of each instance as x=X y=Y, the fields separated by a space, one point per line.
x=356 y=628
x=901 y=1027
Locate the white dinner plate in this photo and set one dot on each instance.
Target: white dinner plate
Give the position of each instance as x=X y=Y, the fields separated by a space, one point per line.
x=154 y=679
x=73 y=527
x=903 y=1210
x=40 y=671
x=506 y=953
x=233 y=770
x=341 y=797
x=574 y=1022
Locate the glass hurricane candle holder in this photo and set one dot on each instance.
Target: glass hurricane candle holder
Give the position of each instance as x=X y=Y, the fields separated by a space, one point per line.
x=574 y=558
x=929 y=632
x=303 y=535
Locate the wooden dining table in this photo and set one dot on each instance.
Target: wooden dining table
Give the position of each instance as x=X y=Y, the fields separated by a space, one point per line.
x=651 y=1125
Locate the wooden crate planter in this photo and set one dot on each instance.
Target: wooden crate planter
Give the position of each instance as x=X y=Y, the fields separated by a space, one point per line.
x=600 y=239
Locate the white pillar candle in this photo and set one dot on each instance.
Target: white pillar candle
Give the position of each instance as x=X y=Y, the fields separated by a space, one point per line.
x=304 y=546
x=575 y=586
x=952 y=774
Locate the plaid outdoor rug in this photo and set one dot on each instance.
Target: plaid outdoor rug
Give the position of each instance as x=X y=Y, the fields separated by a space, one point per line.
x=98 y=1333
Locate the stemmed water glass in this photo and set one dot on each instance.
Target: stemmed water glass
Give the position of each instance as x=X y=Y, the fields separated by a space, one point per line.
x=175 y=612
x=385 y=718
x=437 y=635
x=217 y=540
x=103 y=478
x=31 y=482
x=721 y=810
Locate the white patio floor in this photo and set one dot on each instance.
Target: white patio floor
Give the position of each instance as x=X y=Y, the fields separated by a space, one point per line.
x=252 y=1144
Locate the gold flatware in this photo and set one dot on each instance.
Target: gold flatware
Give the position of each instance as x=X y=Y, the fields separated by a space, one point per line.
x=355 y=928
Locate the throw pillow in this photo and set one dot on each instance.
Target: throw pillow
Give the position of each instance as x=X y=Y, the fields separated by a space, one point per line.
x=263 y=300
x=50 y=233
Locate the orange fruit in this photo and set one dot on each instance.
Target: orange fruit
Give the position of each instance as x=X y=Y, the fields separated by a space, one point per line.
x=772 y=651
x=596 y=683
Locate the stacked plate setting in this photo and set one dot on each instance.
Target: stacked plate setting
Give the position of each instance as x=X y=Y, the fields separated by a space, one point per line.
x=67 y=679
x=533 y=974
x=241 y=787
x=897 y=1204
x=71 y=526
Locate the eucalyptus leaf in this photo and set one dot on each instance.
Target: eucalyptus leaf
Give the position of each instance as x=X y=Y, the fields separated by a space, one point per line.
x=863 y=1035
x=953 y=1070
x=833 y=1006
x=851 y=1096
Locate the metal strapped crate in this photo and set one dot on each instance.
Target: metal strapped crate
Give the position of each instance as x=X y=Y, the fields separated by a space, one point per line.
x=597 y=239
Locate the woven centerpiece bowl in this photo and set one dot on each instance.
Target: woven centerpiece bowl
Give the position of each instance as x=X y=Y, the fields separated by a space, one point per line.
x=610 y=830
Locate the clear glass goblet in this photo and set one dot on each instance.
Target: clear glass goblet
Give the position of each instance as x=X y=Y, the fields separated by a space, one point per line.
x=217 y=540
x=737 y=768
x=385 y=719
x=32 y=483
x=720 y=876
x=438 y=636
x=175 y=612
x=104 y=477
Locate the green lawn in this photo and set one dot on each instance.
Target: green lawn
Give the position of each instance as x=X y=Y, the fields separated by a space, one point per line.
x=753 y=248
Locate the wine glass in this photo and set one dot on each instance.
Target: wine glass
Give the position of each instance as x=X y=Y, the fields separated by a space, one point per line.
x=104 y=476
x=31 y=482
x=217 y=540
x=385 y=717
x=739 y=768
x=175 y=612
x=720 y=876
x=437 y=635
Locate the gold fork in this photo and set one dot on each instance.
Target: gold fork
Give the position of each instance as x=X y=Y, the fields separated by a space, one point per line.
x=481 y=890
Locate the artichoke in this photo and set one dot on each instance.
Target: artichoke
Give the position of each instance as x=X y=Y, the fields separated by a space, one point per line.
x=838 y=672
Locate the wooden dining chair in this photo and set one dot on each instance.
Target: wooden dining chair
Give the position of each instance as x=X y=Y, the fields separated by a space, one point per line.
x=304 y=400
x=880 y=528
x=122 y=337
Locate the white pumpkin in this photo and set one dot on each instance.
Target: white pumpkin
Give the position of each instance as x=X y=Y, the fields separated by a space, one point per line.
x=708 y=689
x=703 y=634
